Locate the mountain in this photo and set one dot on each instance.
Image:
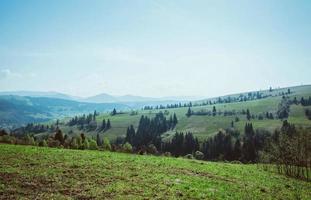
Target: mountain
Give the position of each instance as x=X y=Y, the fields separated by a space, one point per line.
x=19 y=110
x=39 y=94
x=101 y=98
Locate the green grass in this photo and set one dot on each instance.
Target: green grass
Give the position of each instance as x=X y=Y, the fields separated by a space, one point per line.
x=45 y=173
x=205 y=126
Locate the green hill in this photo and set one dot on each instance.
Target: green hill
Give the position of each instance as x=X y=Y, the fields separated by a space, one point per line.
x=46 y=173
x=19 y=110
x=204 y=126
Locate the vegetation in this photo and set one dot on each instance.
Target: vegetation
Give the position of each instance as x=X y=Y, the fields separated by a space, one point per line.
x=49 y=173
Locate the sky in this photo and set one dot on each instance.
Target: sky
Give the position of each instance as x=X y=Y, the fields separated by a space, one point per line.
x=154 y=48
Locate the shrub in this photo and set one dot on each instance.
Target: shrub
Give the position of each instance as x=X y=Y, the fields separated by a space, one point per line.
x=42 y=143
x=167 y=154
x=199 y=155
x=7 y=139
x=151 y=149
x=106 y=144
x=86 y=144
x=53 y=143
x=127 y=147
x=74 y=144
x=93 y=145
x=189 y=156
x=30 y=140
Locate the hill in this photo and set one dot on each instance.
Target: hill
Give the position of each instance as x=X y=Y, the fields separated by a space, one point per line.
x=47 y=173
x=19 y=110
x=56 y=95
x=204 y=126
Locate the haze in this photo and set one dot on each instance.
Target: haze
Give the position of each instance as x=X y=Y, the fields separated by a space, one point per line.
x=154 y=48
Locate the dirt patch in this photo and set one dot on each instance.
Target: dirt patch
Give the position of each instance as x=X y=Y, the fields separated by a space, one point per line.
x=8 y=177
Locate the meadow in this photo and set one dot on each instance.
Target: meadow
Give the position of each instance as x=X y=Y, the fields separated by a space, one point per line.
x=48 y=173
x=205 y=126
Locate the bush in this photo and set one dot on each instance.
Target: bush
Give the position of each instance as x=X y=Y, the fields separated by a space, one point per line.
x=167 y=154
x=107 y=145
x=127 y=147
x=151 y=149
x=189 y=156
x=7 y=139
x=30 y=140
x=199 y=155
x=236 y=162
x=42 y=143
x=93 y=145
x=86 y=144
x=74 y=144
x=53 y=143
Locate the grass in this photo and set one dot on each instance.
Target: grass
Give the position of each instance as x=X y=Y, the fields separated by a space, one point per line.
x=45 y=173
x=205 y=126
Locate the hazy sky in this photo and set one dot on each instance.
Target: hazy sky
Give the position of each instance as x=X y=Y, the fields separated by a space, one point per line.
x=154 y=48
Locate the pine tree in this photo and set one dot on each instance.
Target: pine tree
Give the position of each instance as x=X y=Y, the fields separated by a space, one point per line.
x=248 y=115
x=94 y=115
x=98 y=140
x=59 y=136
x=189 y=112
x=214 y=110
x=237 y=151
x=103 y=125
x=108 y=126
x=114 y=112
x=175 y=120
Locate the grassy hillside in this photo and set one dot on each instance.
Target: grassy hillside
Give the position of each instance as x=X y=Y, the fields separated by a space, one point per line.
x=204 y=126
x=46 y=173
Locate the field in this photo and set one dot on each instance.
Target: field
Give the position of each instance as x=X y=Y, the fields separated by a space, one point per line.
x=46 y=173
x=205 y=126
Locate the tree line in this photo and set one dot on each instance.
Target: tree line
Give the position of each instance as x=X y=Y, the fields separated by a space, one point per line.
x=89 y=122
x=149 y=131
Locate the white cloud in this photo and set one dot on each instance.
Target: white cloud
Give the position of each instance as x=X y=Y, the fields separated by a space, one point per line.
x=9 y=74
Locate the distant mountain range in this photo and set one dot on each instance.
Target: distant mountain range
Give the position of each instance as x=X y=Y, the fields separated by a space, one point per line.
x=20 y=107
x=100 y=98
x=19 y=110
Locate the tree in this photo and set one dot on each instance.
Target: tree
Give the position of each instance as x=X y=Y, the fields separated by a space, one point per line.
x=59 y=136
x=214 y=111
x=249 y=150
x=130 y=135
x=248 y=115
x=237 y=150
x=189 y=112
x=94 y=115
x=175 y=120
x=114 y=112
x=103 y=127
x=108 y=126
x=98 y=140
